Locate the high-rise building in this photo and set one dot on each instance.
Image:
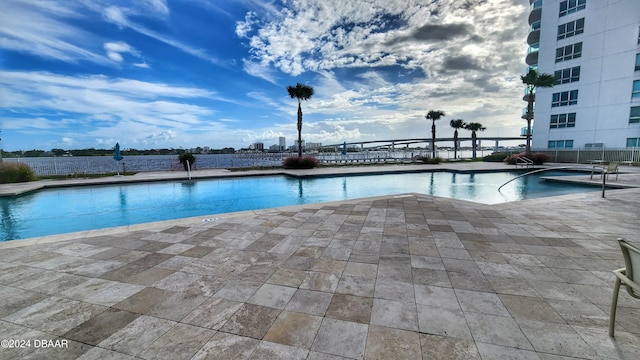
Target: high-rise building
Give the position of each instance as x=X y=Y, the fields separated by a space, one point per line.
x=593 y=49
x=282 y=141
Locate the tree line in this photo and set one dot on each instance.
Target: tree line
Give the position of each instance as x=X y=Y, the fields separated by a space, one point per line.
x=109 y=152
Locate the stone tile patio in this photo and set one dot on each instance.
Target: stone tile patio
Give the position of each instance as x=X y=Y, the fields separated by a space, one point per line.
x=397 y=277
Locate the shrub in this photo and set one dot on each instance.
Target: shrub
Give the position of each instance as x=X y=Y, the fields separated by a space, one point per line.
x=537 y=158
x=305 y=162
x=15 y=172
x=428 y=160
x=496 y=157
x=184 y=157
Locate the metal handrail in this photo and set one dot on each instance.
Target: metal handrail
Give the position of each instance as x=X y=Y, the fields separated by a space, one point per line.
x=524 y=160
x=533 y=172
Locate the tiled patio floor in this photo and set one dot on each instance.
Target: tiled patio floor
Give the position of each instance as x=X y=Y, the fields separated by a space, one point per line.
x=398 y=277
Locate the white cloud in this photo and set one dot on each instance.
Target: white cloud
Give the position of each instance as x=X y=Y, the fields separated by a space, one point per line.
x=53 y=37
x=313 y=35
x=121 y=17
x=158 y=6
x=463 y=57
x=243 y=28
x=115 y=15
x=115 y=50
x=259 y=71
x=102 y=103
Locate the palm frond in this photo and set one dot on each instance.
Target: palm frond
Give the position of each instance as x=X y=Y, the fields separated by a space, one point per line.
x=434 y=115
x=457 y=123
x=300 y=91
x=474 y=127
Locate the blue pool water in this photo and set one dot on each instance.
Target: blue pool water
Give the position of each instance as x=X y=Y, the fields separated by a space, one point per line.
x=63 y=210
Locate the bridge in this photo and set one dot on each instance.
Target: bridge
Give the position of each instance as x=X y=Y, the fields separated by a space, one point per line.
x=407 y=142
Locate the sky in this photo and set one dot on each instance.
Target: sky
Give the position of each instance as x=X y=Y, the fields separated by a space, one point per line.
x=148 y=74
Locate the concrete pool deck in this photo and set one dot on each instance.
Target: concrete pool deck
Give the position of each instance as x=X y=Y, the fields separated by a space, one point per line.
x=394 y=277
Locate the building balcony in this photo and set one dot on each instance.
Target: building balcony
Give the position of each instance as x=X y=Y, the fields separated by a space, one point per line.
x=535 y=4
x=532 y=58
x=523 y=131
x=533 y=37
x=535 y=15
x=524 y=112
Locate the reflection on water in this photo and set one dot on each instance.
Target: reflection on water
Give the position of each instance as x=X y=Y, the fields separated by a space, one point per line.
x=8 y=222
x=84 y=208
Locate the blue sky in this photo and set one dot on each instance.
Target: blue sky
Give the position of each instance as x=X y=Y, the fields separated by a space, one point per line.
x=161 y=73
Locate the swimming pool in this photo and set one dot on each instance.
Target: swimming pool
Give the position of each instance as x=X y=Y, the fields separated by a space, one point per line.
x=57 y=211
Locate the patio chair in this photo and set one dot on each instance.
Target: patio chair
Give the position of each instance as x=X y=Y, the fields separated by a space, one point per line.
x=629 y=275
x=611 y=168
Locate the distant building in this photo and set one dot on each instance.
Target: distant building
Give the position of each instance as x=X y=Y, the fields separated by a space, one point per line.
x=258 y=146
x=275 y=147
x=282 y=142
x=295 y=147
x=313 y=145
x=593 y=49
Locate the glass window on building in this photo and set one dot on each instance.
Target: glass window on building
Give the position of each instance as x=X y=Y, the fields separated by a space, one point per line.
x=569 y=52
x=563 y=121
x=636 y=89
x=637 y=62
x=570 y=6
x=633 y=142
x=560 y=144
x=564 y=98
x=568 y=75
x=570 y=29
x=634 y=116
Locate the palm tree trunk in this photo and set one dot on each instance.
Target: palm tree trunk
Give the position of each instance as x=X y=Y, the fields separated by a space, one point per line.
x=473 y=139
x=529 y=118
x=433 y=139
x=455 y=144
x=299 y=130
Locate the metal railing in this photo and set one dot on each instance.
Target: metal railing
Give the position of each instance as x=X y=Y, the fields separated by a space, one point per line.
x=622 y=155
x=524 y=161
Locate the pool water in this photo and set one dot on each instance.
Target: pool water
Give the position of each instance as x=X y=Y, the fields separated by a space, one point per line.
x=56 y=211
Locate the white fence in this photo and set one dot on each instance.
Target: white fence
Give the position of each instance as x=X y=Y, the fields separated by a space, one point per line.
x=79 y=165
x=628 y=155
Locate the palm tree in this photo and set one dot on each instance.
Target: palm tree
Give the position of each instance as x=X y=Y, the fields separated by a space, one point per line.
x=301 y=92
x=456 y=124
x=473 y=127
x=434 y=115
x=534 y=80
